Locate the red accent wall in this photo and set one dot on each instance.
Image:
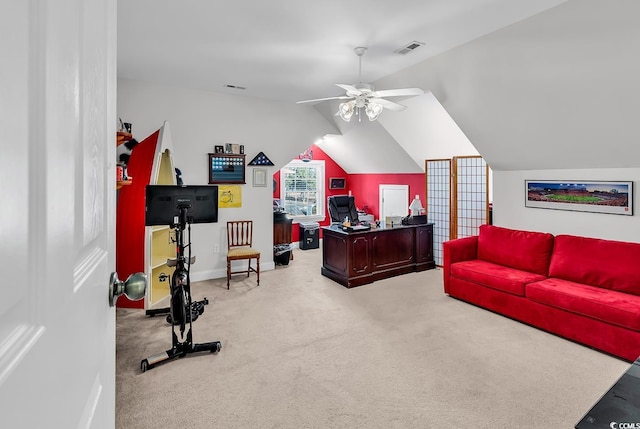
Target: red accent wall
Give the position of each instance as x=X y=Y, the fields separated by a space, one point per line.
x=130 y=215
x=364 y=187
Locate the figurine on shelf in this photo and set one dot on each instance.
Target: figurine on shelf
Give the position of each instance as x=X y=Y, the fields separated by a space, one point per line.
x=179 y=181
x=126 y=143
x=124 y=151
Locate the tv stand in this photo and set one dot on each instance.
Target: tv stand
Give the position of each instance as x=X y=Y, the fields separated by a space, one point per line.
x=181 y=311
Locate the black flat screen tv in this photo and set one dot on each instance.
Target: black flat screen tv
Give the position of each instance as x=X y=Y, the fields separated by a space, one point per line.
x=165 y=202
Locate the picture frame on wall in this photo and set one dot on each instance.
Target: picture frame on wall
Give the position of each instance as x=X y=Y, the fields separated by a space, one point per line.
x=610 y=197
x=259 y=177
x=337 y=183
x=226 y=168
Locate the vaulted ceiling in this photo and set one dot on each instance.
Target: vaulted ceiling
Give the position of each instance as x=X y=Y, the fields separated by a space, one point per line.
x=532 y=84
x=292 y=50
x=289 y=50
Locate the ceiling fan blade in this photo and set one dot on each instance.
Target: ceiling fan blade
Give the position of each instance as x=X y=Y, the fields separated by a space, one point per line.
x=351 y=90
x=341 y=97
x=401 y=92
x=389 y=104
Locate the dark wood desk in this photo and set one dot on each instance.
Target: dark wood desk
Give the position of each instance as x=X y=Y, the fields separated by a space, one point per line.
x=357 y=258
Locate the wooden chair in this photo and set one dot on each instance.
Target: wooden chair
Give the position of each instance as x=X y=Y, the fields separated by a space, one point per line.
x=239 y=241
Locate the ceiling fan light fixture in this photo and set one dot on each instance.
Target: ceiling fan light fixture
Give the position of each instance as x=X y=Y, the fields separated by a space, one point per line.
x=364 y=99
x=373 y=110
x=346 y=110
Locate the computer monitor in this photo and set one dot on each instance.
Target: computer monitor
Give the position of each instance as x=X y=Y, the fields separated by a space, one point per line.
x=164 y=203
x=342 y=206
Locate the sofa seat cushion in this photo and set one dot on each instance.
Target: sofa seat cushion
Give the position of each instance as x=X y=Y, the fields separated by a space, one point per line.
x=606 y=305
x=523 y=250
x=494 y=276
x=605 y=263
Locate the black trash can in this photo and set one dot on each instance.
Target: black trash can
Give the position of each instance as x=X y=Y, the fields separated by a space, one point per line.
x=309 y=235
x=282 y=254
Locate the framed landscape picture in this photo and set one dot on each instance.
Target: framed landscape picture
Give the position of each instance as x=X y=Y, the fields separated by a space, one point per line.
x=610 y=197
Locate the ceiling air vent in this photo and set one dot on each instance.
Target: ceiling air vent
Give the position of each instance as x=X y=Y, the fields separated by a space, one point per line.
x=409 y=47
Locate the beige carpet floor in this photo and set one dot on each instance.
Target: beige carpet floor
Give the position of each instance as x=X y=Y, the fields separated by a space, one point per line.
x=301 y=351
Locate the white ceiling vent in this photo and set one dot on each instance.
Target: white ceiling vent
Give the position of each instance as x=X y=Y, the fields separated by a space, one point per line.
x=409 y=47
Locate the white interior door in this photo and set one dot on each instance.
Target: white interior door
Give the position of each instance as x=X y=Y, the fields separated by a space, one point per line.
x=394 y=201
x=57 y=221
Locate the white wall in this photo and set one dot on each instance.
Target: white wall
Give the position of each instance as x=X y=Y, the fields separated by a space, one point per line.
x=555 y=96
x=426 y=130
x=509 y=210
x=199 y=120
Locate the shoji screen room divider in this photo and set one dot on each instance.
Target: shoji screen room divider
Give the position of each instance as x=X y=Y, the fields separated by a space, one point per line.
x=457 y=198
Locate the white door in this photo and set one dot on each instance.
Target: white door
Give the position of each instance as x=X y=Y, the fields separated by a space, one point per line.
x=394 y=201
x=57 y=218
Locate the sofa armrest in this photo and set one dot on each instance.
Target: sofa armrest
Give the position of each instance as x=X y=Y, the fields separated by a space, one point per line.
x=461 y=249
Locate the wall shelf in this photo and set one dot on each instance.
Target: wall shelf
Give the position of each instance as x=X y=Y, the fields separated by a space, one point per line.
x=121 y=183
x=140 y=247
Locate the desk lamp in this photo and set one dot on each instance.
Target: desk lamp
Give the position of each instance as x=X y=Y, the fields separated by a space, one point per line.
x=416 y=206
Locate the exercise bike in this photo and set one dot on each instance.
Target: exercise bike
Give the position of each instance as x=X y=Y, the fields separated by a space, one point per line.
x=182 y=311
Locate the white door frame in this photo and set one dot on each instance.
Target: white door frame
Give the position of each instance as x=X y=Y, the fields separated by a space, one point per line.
x=404 y=189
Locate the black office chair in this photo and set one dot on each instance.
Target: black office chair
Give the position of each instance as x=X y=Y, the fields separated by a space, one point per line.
x=341 y=206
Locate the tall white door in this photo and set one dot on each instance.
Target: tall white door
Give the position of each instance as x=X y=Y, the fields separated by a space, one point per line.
x=394 y=201
x=57 y=217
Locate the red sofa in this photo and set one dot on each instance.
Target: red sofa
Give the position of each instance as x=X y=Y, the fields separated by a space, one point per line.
x=583 y=289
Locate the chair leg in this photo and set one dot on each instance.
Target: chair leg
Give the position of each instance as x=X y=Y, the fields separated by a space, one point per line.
x=228 y=272
x=258 y=269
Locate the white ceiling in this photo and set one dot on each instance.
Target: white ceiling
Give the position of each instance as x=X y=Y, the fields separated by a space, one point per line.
x=292 y=50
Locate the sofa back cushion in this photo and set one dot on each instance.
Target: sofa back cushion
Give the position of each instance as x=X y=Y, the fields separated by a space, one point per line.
x=523 y=250
x=608 y=264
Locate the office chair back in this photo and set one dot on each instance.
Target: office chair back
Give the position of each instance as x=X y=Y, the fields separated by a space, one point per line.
x=341 y=206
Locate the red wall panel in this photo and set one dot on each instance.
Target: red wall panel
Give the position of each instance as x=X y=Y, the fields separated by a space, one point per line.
x=130 y=215
x=365 y=188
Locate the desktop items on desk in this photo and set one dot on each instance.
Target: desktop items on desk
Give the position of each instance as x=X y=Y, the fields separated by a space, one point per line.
x=417 y=214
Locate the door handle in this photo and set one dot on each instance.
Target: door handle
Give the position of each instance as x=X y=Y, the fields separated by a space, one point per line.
x=133 y=288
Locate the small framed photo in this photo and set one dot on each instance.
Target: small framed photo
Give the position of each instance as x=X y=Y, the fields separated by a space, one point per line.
x=337 y=183
x=228 y=148
x=219 y=149
x=259 y=177
x=241 y=149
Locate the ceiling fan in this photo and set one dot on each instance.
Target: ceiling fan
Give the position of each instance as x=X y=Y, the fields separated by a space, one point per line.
x=363 y=96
